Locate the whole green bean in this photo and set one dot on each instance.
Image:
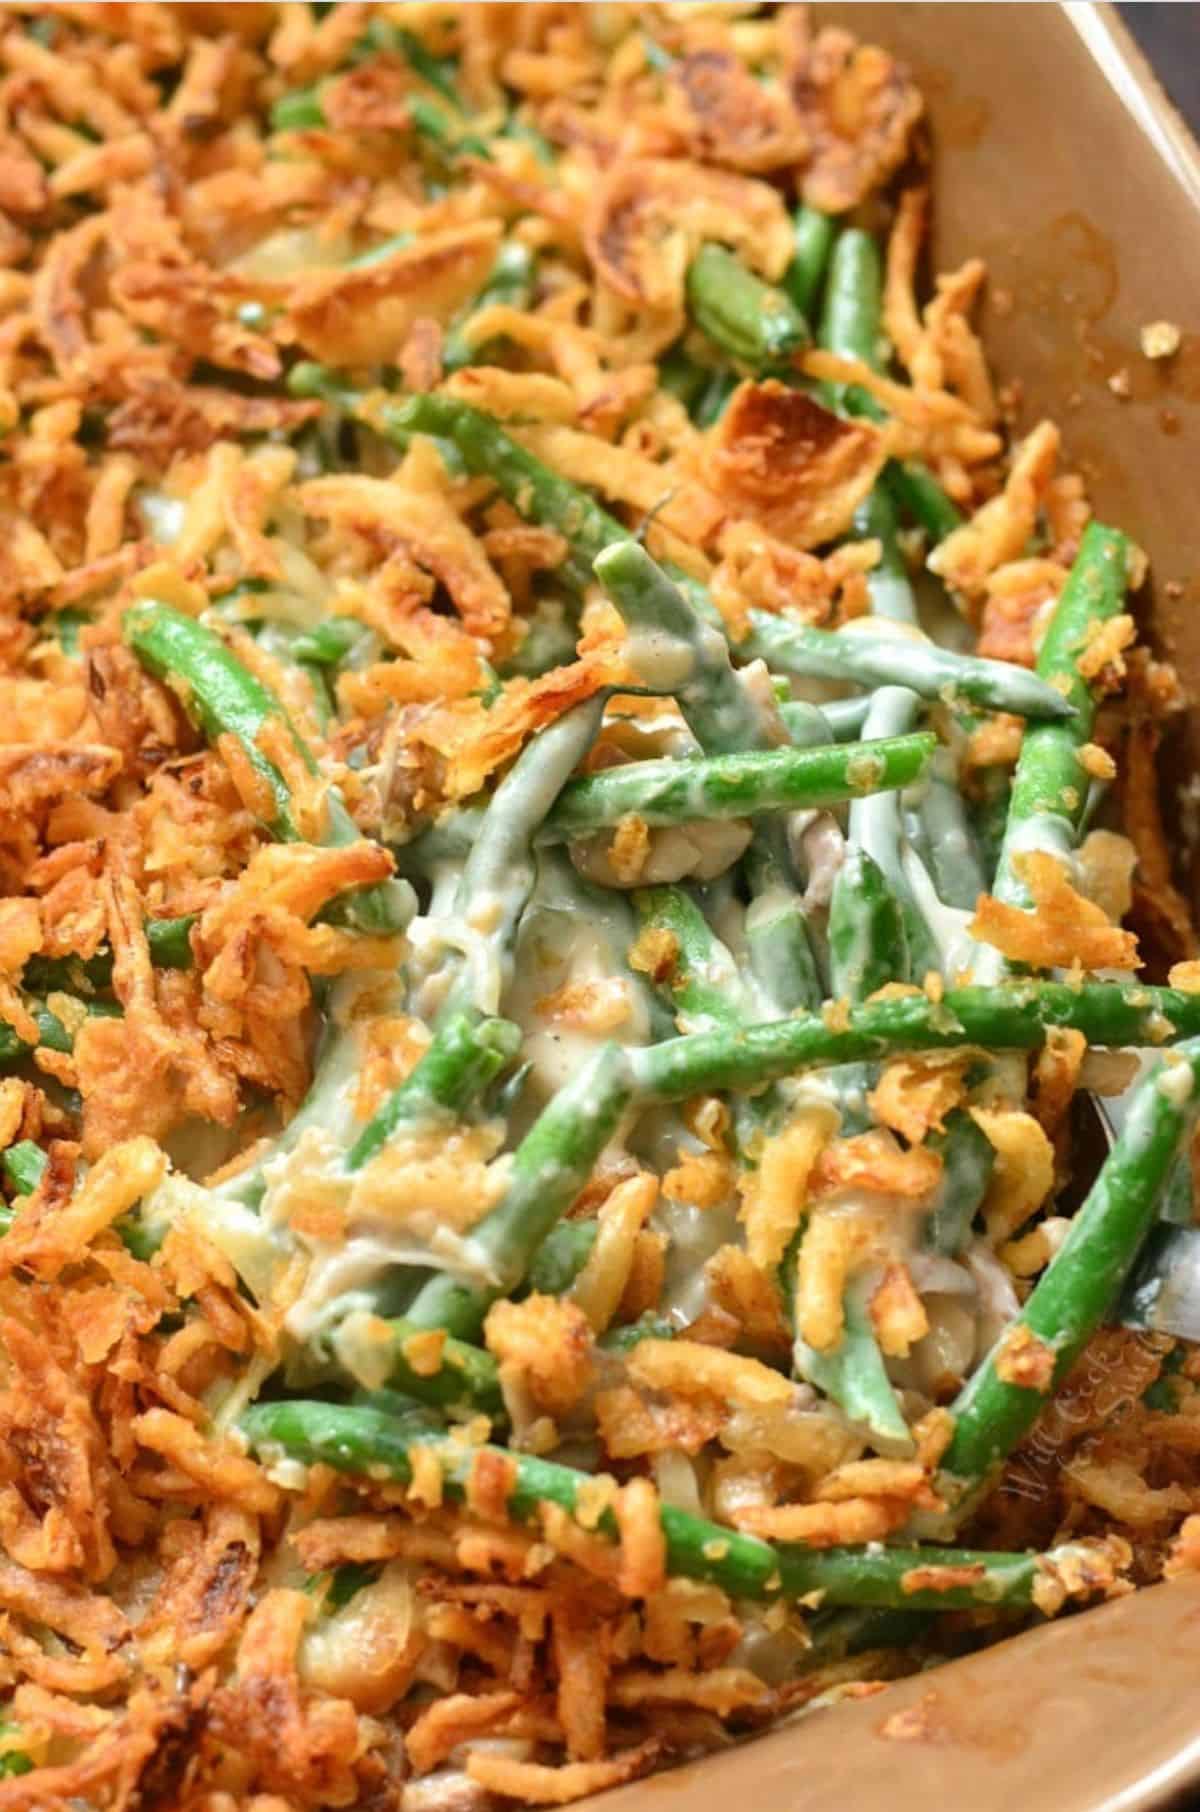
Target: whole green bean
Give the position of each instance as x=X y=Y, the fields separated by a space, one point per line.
x=735 y=786
x=1012 y=1016
x=376 y=1444
x=869 y=659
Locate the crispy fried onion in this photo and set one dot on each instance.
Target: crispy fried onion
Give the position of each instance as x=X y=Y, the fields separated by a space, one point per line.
x=364 y=316
x=650 y=216
x=781 y=458
x=859 y=106
x=1063 y=927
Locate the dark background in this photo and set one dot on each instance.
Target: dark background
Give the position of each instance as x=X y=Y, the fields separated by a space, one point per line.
x=1169 y=35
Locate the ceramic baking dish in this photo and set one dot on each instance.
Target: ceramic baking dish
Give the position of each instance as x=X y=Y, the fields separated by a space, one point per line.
x=1060 y=162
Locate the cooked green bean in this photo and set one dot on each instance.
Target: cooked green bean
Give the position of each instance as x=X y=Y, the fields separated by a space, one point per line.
x=735 y=786
x=373 y=1443
x=869 y=659
x=1002 y=1399
x=757 y=325
x=227 y=699
x=812 y=243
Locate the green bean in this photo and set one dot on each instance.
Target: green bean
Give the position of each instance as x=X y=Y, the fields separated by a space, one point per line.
x=555 y=1159
x=954 y=862
x=988 y=817
x=302 y=110
x=853 y=1375
x=536 y=492
x=813 y=235
x=24 y=1164
x=917 y=495
x=876 y=935
x=681 y=377
x=834 y=720
x=868 y=943
x=13 y=1761
x=220 y=693
x=375 y=1444
x=226 y=699
x=299 y=110
x=467 y=1053
x=1050 y=786
x=834 y=1634
x=67 y=624
x=778 y=934
x=549 y=1168
x=692 y=654
x=724 y=716
x=850 y=326
x=437 y=72
x=53 y=1033
x=550 y=638
x=876 y=827
x=704 y=989
x=328 y=643
x=647 y=1327
x=561 y=1257
x=170 y=948
x=709 y=406
x=759 y=326
x=462 y=1379
x=610 y=918
x=850 y=316
x=735 y=786
x=1012 y=1016
x=888 y=583
x=1073 y=1295
x=968 y=1160
x=869 y=659
x=444 y=132
x=499 y=873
